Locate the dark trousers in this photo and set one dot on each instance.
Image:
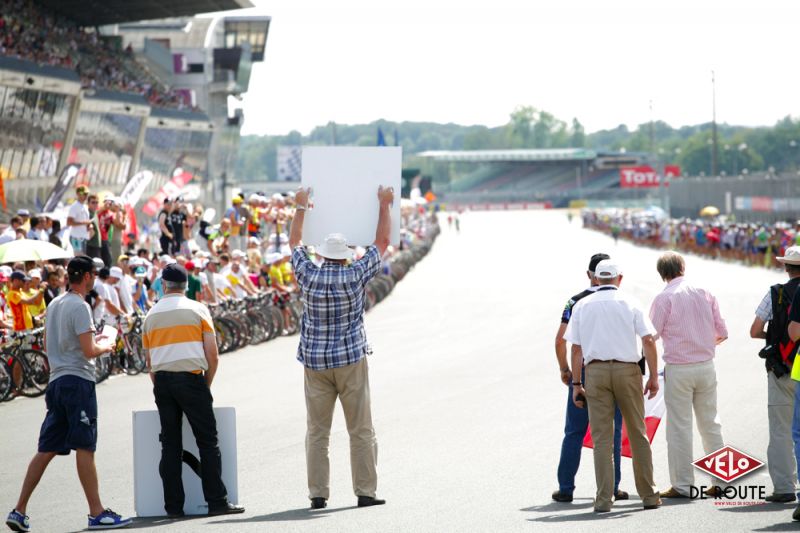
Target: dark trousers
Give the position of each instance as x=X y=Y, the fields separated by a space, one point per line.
x=93 y=251
x=166 y=245
x=105 y=253
x=572 y=445
x=179 y=393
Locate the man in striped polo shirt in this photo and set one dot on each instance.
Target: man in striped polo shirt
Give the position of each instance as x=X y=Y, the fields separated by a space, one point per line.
x=688 y=321
x=182 y=356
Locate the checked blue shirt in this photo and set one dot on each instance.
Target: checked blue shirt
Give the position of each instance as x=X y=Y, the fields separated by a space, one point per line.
x=332 y=328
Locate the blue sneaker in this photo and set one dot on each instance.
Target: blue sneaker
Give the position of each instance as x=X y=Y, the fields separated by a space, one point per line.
x=108 y=519
x=18 y=521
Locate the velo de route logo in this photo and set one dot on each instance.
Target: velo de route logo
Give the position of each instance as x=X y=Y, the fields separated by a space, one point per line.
x=729 y=464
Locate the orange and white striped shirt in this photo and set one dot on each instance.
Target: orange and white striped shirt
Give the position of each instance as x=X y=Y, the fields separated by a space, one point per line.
x=173 y=333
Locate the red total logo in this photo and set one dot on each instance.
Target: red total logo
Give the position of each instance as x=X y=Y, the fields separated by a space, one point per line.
x=728 y=464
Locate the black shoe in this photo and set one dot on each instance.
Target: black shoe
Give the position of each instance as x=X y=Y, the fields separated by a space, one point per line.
x=562 y=497
x=319 y=503
x=621 y=495
x=796 y=513
x=369 y=501
x=176 y=514
x=228 y=508
x=781 y=497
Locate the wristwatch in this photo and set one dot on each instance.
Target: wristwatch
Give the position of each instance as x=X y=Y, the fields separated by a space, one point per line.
x=577 y=383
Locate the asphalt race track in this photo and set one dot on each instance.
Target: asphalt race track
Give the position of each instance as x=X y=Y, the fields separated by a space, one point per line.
x=468 y=404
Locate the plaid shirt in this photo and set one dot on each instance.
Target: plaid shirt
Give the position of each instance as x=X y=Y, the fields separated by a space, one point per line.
x=332 y=328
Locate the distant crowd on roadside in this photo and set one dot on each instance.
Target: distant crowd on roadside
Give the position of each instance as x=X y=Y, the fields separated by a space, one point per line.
x=715 y=237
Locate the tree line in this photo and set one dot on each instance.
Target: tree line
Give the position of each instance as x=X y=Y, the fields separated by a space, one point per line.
x=774 y=149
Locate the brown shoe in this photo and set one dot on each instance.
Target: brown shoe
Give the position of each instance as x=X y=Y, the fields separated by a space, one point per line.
x=654 y=505
x=714 y=491
x=672 y=493
x=621 y=495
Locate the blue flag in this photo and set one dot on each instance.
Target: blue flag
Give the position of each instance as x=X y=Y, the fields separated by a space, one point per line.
x=381 y=139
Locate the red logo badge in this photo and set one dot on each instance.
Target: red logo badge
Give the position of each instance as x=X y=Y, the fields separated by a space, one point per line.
x=728 y=464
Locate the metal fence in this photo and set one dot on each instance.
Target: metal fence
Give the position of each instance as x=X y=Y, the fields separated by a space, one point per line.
x=757 y=198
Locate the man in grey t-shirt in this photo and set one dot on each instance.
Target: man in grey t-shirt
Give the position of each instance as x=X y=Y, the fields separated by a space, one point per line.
x=71 y=420
x=68 y=317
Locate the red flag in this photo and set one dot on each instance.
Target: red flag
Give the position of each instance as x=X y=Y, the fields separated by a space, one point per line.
x=654 y=410
x=130 y=225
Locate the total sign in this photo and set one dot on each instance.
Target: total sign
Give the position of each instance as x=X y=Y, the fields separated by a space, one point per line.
x=645 y=176
x=728 y=464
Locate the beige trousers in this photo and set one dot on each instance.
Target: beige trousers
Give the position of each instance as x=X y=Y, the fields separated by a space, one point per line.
x=780 y=451
x=610 y=384
x=689 y=387
x=351 y=385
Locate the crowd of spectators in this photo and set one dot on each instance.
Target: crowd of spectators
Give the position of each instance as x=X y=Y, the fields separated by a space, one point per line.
x=29 y=32
x=715 y=237
x=244 y=254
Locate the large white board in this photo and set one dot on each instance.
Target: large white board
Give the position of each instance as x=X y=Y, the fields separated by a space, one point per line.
x=148 y=490
x=344 y=182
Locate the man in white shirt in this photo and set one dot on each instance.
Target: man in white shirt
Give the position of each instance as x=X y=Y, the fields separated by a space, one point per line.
x=10 y=233
x=112 y=305
x=122 y=284
x=79 y=221
x=603 y=330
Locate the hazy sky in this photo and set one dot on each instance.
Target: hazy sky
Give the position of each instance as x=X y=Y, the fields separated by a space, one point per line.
x=472 y=62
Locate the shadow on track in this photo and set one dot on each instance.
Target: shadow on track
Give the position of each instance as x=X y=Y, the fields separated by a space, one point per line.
x=291 y=515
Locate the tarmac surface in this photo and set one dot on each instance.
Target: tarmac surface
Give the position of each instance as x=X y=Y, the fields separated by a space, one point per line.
x=467 y=403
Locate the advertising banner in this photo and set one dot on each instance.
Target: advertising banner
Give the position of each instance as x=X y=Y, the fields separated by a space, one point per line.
x=645 y=176
x=170 y=189
x=64 y=181
x=135 y=187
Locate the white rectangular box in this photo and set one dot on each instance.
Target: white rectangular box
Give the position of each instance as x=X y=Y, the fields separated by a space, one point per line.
x=345 y=182
x=148 y=490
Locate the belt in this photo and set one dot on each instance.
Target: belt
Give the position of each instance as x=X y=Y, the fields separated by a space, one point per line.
x=593 y=361
x=168 y=373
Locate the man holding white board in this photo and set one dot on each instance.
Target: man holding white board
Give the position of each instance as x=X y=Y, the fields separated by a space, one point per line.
x=333 y=349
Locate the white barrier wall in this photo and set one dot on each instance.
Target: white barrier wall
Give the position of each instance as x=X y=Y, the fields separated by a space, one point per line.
x=148 y=490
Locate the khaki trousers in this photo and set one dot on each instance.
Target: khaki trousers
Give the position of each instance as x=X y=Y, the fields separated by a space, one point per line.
x=780 y=451
x=351 y=385
x=689 y=386
x=610 y=383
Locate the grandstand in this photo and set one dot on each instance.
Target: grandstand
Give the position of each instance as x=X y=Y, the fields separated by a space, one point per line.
x=554 y=176
x=82 y=83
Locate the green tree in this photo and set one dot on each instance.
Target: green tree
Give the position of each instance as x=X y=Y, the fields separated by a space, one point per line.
x=578 y=138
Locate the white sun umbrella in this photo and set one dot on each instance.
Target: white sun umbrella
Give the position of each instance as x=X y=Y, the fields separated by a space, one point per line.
x=31 y=250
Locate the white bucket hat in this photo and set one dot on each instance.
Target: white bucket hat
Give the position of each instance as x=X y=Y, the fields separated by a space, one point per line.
x=791 y=256
x=335 y=247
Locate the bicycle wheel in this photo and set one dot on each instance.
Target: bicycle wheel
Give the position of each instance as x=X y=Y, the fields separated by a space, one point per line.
x=37 y=372
x=277 y=321
x=102 y=368
x=6 y=382
x=134 y=356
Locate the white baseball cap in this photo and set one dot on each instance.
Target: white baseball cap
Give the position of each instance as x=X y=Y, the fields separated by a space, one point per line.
x=116 y=272
x=607 y=269
x=35 y=273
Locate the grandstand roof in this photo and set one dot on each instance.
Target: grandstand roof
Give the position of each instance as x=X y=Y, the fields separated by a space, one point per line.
x=547 y=154
x=102 y=12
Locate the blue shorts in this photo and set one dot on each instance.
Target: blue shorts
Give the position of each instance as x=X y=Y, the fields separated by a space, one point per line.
x=71 y=420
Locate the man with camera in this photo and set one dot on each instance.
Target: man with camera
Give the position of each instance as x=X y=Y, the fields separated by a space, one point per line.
x=778 y=354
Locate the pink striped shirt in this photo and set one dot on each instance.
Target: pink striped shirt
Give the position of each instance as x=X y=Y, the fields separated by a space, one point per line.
x=688 y=321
